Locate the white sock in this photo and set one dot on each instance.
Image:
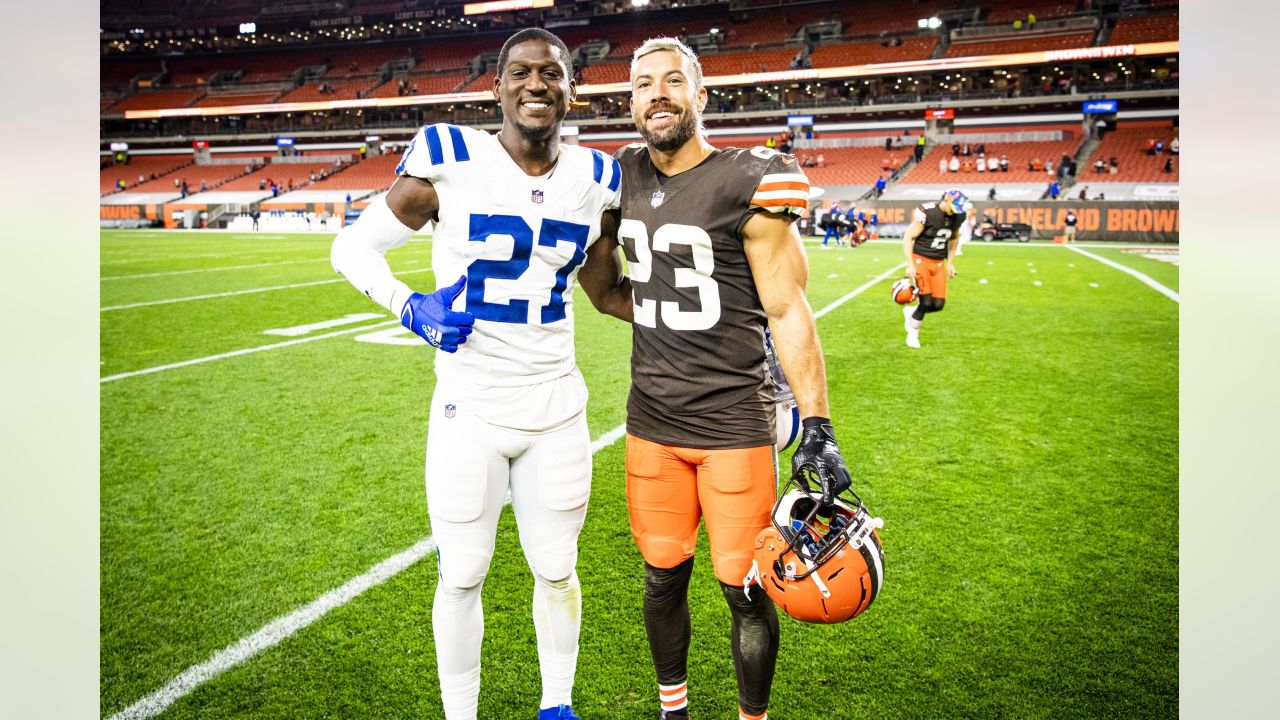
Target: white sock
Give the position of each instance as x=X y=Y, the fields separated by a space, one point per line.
x=457 y=619
x=557 y=620
x=914 y=323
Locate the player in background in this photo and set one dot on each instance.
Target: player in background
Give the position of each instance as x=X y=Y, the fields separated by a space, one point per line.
x=930 y=244
x=516 y=215
x=715 y=259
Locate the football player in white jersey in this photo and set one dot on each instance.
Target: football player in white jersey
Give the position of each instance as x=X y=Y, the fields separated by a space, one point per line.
x=516 y=217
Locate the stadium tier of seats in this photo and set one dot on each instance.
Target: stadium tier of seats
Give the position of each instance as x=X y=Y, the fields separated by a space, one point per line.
x=282 y=174
x=328 y=90
x=1020 y=44
x=1128 y=145
x=999 y=11
x=1150 y=28
x=144 y=166
x=213 y=176
x=1020 y=157
x=156 y=99
x=416 y=84
x=850 y=166
x=894 y=18
x=375 y=173
x=863 y=53
x=225 y=100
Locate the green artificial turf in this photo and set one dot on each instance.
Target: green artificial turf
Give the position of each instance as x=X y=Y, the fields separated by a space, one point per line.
x=1024 y=461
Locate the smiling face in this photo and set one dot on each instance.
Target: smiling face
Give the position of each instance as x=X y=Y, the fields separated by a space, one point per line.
x=666 y=102
x=534 y=90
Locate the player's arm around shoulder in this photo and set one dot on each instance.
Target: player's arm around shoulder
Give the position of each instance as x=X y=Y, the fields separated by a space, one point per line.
x=780 y=270
x=601 y=276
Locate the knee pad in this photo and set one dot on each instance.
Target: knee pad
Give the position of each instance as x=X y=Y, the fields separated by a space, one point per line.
x=660 y=552
x=554 y=561
x=462 y=570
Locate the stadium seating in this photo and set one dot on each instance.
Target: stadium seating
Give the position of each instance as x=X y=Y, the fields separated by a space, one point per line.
x=889 y=18
x=212 y=175
x=341 y=90
x=1020 y=44
x=225 y=100
x=1128 y=144
x=280 y=174
x=118 y=73
x=748 y=62
x=484 y=82
x=1152 y=28
x=279 y=65
x=156 y=99
x=361 y=60
x=1020 y=156
x=144 y=165
x=420 y=85
x=850 y=166
x=199 y=70
x=1006 y=11
x=863 y=53
x=375 y=173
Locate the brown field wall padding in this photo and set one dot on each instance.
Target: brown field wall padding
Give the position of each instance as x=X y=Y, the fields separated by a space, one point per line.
x=1144 y=222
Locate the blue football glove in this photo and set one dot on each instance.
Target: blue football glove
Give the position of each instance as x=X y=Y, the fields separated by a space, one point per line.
x=430 y=318
x=818 y=458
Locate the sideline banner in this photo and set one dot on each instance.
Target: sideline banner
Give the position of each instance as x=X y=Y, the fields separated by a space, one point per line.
x=1144 y=222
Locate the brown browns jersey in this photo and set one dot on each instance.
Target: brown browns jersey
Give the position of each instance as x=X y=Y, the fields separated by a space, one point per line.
x=939 y=228
x=698 y=373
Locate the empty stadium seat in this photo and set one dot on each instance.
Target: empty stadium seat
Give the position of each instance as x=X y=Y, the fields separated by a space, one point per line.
x=865 y=53
x=375 y=173
x=157 y=99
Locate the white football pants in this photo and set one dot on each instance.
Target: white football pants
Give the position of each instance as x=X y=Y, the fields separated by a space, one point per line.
x=470 y=467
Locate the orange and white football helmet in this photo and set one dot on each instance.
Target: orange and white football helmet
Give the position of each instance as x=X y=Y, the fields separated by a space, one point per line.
x=819 y=565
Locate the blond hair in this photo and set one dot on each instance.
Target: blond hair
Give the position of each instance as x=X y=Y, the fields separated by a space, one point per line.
x=671 y=44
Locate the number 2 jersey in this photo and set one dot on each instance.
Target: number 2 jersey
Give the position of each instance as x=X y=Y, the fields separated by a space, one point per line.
x=699 y=377
x=520 y=241
x=939 y=228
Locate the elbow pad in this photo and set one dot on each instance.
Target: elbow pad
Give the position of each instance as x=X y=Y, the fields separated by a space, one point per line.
x=358 y=253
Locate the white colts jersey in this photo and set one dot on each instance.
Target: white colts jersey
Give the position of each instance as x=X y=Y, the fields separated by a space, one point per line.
x=519 y=240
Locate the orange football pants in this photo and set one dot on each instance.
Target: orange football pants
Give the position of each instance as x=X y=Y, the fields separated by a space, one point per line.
x=931 y=275
x=669 y=489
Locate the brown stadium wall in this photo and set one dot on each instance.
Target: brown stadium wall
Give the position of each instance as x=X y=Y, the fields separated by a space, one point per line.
x=1139 y=222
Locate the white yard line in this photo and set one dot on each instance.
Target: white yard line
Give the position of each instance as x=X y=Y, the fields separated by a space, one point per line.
x=230 y=293
x=286 y=625
x=1130 y=271
x=860 y=289
x=203 y=270
x=242 y=351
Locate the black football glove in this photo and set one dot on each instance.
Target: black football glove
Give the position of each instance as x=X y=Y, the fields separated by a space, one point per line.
x=818 y=450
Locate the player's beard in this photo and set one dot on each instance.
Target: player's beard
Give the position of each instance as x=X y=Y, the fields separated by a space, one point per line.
x=536 y=134
x=674 y=136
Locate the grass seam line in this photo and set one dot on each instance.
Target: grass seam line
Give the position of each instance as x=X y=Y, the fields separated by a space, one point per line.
x=282 y=627
x=242 y=351
x=1146 y=280
x=250 y=291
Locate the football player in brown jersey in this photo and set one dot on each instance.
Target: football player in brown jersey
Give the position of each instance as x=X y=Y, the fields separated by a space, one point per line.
x=930 y=244
x=715 y=258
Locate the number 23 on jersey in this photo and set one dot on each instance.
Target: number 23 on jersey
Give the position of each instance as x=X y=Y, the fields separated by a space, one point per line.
x=647 y=310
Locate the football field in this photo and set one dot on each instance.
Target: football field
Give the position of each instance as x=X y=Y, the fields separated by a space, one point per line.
x=265 y=549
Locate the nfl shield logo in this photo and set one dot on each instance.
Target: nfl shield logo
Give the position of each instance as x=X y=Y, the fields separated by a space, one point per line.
x=656 y=199
x=450 y=410
x=537 y=196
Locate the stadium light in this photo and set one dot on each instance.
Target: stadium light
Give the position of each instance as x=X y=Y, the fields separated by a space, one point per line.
x=639 y=3
x=934 y=23
x=922 y=23
x=248 y=28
